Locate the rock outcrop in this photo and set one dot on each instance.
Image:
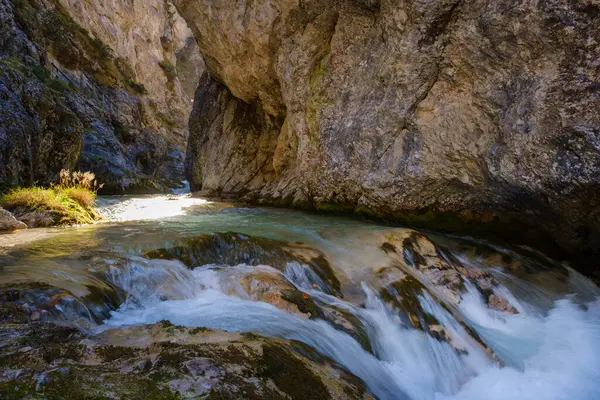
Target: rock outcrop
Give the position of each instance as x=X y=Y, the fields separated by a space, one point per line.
x=161 y=361
x=442 y=113
x=94 y=86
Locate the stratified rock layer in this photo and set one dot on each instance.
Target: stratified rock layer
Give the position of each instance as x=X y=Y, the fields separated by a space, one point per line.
x=454 y=114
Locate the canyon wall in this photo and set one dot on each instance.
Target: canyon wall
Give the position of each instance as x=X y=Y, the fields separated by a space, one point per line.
x=439 y=113
x=100 y=86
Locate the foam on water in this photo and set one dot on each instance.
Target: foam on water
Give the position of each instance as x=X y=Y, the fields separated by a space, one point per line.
x=547 y=356
x=556 y=356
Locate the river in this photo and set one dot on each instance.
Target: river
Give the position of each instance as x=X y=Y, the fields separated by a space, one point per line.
x=440 y=317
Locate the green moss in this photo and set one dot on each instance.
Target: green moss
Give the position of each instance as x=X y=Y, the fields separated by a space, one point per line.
x=17 y=66
x=291 y=375
x=114 y=353
x=11 y=390
x=13 y=63
x=169 y=70
x=200 y=329
x=172 y=358
x=94 y=384
x=70 y=351
x=60 y=86
x=41 y=72
x=316 y=100
x=318 y=73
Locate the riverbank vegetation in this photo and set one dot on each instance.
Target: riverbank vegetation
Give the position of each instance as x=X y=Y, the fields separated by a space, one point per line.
x=69 y=202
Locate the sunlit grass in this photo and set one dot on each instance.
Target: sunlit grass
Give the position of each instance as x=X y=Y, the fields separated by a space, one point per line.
x=69 y=202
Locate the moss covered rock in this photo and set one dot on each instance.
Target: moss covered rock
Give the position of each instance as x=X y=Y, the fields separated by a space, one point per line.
x=163 y=361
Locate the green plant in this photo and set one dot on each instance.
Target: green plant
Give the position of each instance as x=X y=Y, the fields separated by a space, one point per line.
x=41 y=72
x=138 y=88
x=68 y=202
x=54 y=205
x=59 y=85
x=85 y=197
x=169 y=70
x=77 y=179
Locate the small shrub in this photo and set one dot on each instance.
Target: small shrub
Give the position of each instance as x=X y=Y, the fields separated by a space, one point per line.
x=77 y=179
x=41 y=73
x=169 y=70
x=84 y=197
x=103 y=50
x=59 y=86
x=138 y=88
x=170 y=122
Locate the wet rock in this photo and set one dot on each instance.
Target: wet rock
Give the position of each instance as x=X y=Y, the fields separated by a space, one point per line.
x=43 y=302
x=262 y=283
x=167 y=362
x=234 y=248
x=9 y=223
x=496 y=302
x=439 y=270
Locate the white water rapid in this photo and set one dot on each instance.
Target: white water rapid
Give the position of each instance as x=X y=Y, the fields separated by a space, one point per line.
x=546 y=356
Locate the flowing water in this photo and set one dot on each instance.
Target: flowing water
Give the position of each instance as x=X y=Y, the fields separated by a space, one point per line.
x=427 y=338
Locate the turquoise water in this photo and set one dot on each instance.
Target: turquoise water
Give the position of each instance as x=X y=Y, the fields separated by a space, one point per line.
x=547 y=348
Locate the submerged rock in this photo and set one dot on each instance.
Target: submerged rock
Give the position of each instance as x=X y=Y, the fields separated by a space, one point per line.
x=234 y=248
x=8 y=222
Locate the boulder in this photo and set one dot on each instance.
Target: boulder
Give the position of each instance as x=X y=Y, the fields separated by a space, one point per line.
x=9 y=223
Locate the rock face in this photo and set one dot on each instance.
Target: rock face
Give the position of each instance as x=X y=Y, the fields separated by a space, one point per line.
x=8 y=222
x=430 y=112
x=94 y=87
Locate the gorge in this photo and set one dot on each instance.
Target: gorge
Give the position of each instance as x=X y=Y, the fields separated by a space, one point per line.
x=390 y=199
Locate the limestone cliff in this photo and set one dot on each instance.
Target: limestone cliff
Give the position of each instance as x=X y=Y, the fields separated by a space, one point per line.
x=438 y=112
x=94 y=86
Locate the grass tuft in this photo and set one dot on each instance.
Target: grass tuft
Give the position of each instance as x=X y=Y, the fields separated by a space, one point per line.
x=85 y=197
x=69 y=202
